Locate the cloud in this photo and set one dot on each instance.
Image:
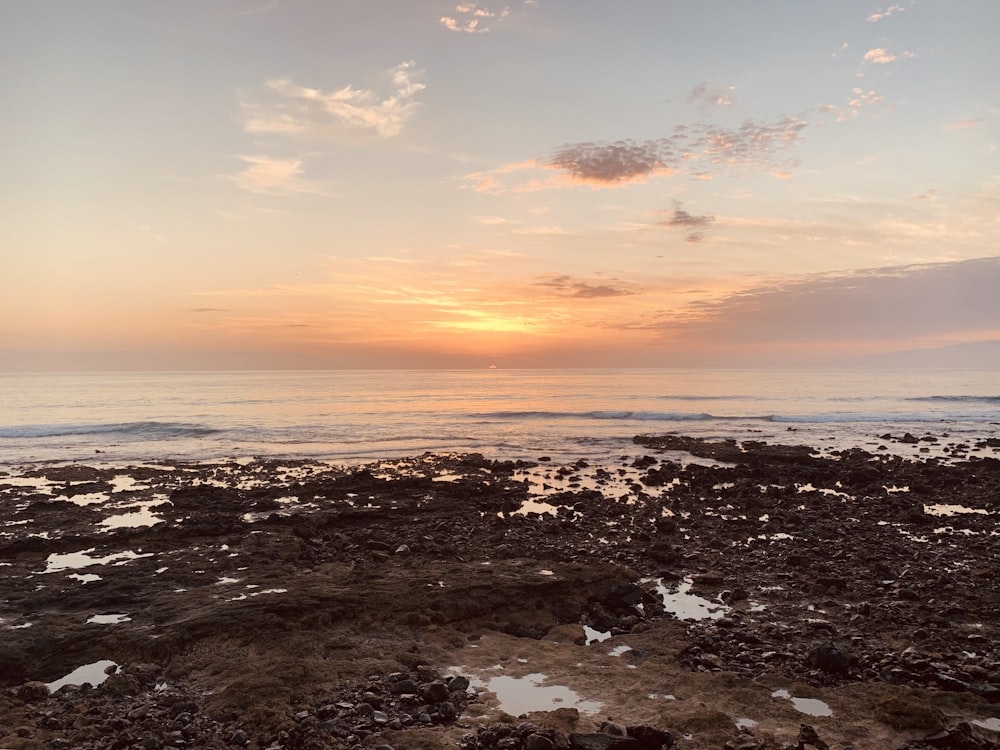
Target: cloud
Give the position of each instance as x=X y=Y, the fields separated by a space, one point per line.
x=893 y=304
x=876 y=17
x=879 y=56
x=695 y=150
x=753 y=144
x=544 y=231
x=267 y=175
x=298 y=110
x=266 y=7
x=621 y=161
x=693 y=225
x=471 y=18
x=708 y=94
x=963 y=124
x=567 y=286
x=147 y=229
x=882 y=56
x=859 y=101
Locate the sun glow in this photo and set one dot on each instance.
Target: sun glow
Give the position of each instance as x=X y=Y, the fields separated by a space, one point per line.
x=477 y=320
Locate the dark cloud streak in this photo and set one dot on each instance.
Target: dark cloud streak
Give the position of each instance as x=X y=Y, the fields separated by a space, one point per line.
x=753 y=144
x=621 y=161
x=570 y=287
x=895 y=303
x=694 y=225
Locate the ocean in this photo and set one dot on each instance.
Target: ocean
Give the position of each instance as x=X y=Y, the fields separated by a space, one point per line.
x=358 y=416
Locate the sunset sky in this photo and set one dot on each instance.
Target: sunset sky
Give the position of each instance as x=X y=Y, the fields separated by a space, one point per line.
x=411 y=183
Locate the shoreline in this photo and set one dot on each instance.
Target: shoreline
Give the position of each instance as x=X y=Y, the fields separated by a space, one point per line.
x=857 y=580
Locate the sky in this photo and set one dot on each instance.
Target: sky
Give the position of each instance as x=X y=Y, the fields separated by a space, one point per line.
x=205 y=184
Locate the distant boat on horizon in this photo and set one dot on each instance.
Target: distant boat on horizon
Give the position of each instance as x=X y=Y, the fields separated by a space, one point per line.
x=492 y=367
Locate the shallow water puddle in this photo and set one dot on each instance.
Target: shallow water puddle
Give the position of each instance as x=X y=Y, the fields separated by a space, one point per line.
x=89 y=498
x=84 y=577
x=536 y=506
x=945 y=509
x=38 y=483
x=518 y=695
x=448 y=478
x=686 y=606
x=810 y=706
x=125 y=483
x=74 y=560
x=133 y=519
x=595 y=636
x=94 y=673
x=243 y=597
x=108 y=619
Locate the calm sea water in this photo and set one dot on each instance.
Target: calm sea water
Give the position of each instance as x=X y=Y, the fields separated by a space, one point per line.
x=565 y=414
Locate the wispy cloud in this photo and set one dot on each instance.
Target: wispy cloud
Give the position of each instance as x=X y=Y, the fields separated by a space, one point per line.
x=568 y=286
x=292 y=109
x=610 y=163
x=697 y=150
x=267 y=175
x=543 y=231
x=896 y=304
x=876 y=17
x=708 y=94
x=882 y=56
x=963 y=124
x=255 y=10
x=694 y=226
x=860 y=100
x=149 y=231
x=879 y=56
x=471 y=18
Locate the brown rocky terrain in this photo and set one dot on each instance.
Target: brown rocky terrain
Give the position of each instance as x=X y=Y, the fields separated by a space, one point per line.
x=706 y=595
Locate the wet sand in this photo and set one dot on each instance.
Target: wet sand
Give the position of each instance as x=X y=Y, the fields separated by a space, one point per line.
x=706 y=595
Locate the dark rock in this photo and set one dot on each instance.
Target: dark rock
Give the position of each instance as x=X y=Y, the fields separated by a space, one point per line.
x=447 y=711
x=651 y=737
x=404 y=687
x=808 y=736
x=33 y=691
x=537 y=741
x=602 y=741
x=960 y=737
x=435 y=692
x=949 y=683
x=830 y=659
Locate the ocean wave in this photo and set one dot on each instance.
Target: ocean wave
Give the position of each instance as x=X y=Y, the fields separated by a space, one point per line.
x=820 y=418
x=633 y=415
x=691 y=397
x=875 y=418
x=136 y=430
x=959 y=399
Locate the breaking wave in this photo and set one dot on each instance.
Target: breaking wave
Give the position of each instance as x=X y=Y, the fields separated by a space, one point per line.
x=135 y=430
x=959 y=399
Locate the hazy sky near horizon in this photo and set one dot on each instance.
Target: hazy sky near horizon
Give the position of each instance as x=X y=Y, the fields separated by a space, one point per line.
x=380 y=183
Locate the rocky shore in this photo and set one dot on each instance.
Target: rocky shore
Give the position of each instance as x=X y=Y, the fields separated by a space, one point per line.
x=705 y=595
